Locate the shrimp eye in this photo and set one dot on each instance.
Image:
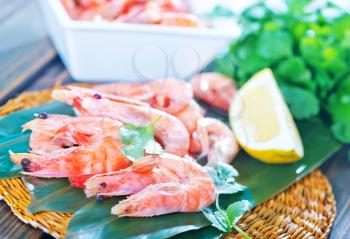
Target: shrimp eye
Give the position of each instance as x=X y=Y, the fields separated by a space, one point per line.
x=25 y=162
x=97 y=96
x=100 y=198
x=103 y=185
x=42 y=115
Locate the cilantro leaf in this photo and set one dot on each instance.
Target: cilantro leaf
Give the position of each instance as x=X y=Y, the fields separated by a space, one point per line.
x=223 y=176
x=138 y=141
x=226 y=220
x=216 y=218
x=236 y=210
x=341 y=131
x=339 y=103
x=274 y=45
x=293 y=70
x=324 y=83
x=338 y=107
x=297 y=6
x=303 y=103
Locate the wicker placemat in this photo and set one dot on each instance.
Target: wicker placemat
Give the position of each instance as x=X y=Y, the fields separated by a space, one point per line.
x=305 y=210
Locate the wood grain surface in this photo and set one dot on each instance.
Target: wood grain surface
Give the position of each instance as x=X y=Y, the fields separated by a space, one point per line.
x=34 y=65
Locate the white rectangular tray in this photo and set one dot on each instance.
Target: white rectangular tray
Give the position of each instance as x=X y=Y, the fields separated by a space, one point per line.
x=109 y=51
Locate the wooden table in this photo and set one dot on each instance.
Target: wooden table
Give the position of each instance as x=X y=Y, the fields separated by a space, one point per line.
x=29 y=62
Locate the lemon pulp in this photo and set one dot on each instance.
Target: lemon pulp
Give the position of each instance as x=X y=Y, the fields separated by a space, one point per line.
x=262 y=122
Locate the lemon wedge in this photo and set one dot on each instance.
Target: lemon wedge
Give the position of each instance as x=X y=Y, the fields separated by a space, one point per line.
x=262 y=122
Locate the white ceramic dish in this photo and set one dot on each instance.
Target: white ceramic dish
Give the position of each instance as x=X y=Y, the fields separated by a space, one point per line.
x=105 y=51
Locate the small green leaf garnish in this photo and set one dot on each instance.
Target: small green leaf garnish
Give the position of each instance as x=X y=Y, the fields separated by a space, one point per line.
x=138 y=141
x=236 y=210
x=225 y=220
x=223 y=176
x=216 y=219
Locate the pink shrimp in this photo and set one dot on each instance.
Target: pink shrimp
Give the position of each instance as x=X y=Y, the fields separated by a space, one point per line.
x=214 y=89
x=74 y=162
x=216 y=140
x=169 y=131
x=137 y=91
x=168 y=95
x=190 y=115
x=62 y=131
x=180 y=19
x=159 y=184
x=164 y=198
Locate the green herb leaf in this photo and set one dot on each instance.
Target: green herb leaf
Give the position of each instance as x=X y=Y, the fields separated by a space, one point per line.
x=237 y=209
x=274 y=45
x=216 y=218
x=341 y=131
x=324 y=83
x=297 y=6
x=226 y=220
x=224 y=176
x=339 y=103
x=139 y=140
x=293 y=70
x=303 y=104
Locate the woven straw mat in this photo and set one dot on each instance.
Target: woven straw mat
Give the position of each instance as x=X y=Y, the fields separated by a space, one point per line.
x=305 y=210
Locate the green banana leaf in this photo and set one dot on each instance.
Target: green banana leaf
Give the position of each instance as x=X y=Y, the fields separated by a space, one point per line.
x=93 y=219
x=57 y=194
x=262 y=180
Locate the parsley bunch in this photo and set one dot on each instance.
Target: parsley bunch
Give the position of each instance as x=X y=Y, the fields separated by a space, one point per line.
x=309 y=53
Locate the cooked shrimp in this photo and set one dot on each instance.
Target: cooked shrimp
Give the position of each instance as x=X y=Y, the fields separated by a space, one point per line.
x=214 y=89
x=147 y=13
x=190 y=115
x=168 y=95
x=215 y=139
x=180 y=19
x=75 y=161
x=62 y=131
x=137 y=91
x=148 y=170
x=164 y=198
x=169 y=131
x=159 y=184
